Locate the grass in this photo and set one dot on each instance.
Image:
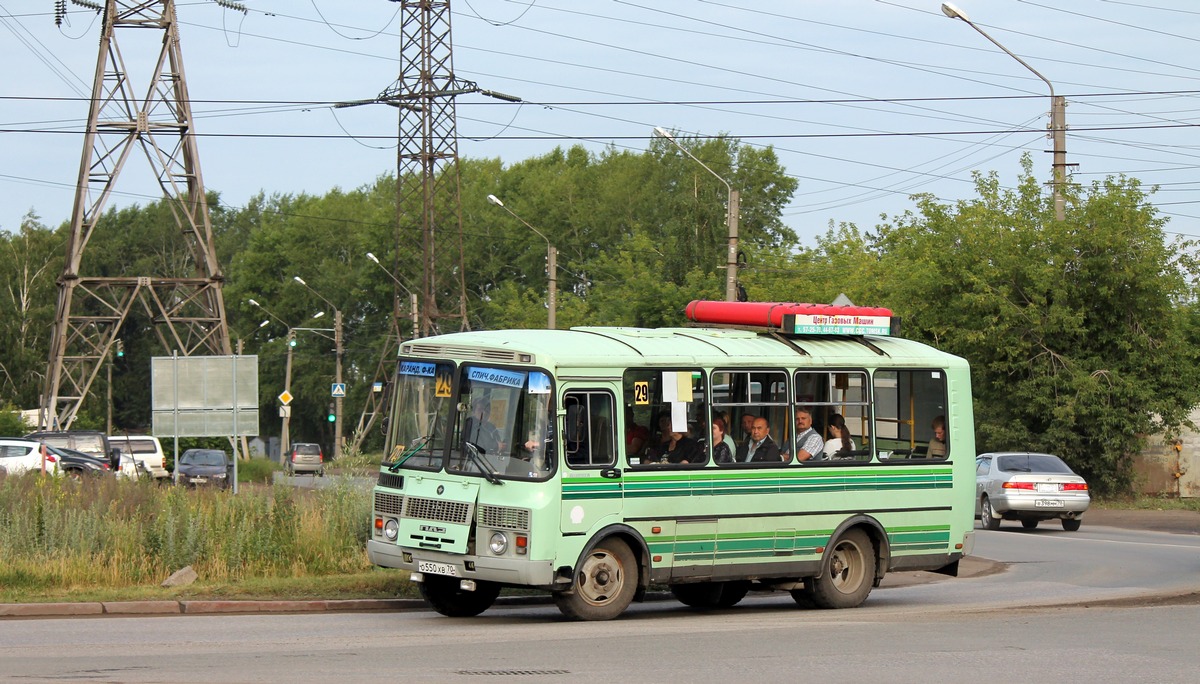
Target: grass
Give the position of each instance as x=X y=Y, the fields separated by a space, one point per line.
x=1148 y=503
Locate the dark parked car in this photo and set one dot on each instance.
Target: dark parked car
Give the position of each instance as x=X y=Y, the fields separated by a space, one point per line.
x=77 y=463
x=204 y=467
x=1029 y=487
x=90 y=442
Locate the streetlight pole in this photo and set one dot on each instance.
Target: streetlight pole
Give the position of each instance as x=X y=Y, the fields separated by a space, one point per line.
x=285 y=418
x=731 y=218
x=1058 y=114
x=337 y=344
x=412 y=297
x=551 y=263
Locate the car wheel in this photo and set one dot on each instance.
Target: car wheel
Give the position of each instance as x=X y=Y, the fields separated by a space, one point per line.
x=1029 y=524
x=848 y=574
x=447 y=597
x=987 y=516
x=605 y=582
x=1071 y=524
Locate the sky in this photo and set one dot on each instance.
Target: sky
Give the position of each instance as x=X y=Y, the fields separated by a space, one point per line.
x=866 y=102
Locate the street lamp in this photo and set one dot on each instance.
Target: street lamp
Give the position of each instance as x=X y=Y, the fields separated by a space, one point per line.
x=412 y=296
x=731 y=218
x=285 y=417
x=551 y=262
x=1058 y=114
x=337 y=343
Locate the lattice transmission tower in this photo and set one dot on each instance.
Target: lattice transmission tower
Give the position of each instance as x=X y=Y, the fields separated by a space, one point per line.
x=127 y=115
x=427 y=179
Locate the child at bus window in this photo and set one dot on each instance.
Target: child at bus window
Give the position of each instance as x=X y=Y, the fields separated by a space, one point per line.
x=839 y=444
x=937 y=445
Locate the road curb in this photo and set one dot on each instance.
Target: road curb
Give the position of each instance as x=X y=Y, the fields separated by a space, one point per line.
x=50 y=609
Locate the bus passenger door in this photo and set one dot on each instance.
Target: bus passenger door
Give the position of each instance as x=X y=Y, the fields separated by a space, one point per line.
x=591 y=479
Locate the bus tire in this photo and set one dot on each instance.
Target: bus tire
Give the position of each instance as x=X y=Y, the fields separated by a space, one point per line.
x=699 y=594
x=446 y=596
x=605 y=582
x=732 y=593
x=847 y=574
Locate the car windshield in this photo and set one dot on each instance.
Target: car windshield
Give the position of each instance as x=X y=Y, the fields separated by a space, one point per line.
x=203 y=458
x=1032 y=463
x=502 y=426
x=421 y=413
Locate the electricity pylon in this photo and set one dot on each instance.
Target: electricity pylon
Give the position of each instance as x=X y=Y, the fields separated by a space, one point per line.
x=428 y=187
x=155 y=118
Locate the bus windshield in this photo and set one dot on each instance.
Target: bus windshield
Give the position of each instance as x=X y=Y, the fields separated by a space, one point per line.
x=421 y=414
x=503 y=424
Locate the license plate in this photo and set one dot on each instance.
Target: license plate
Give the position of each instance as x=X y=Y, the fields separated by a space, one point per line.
x=437 y=568
x=1048 y=503
x=1047 y=487
x=200 y=479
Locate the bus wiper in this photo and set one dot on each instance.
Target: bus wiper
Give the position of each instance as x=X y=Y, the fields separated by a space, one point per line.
x=476 y=454
x=412 y=451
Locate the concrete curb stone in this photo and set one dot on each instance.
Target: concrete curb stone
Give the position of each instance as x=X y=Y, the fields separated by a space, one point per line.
x=50 y=609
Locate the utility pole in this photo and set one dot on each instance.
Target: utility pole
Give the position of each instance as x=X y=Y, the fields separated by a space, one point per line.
x=188 y=313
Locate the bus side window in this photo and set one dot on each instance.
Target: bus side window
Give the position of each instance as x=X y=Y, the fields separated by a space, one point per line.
x=588 y=429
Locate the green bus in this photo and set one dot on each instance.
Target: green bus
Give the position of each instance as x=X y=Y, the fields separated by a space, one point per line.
x=591 y=463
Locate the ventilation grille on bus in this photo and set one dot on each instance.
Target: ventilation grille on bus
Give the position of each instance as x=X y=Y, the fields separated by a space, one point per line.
x=451 y=351
x=438 y=510
x=389 y=503
x=501 y=517
x=391 y=480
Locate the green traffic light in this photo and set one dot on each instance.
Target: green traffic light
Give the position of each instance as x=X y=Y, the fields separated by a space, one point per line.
x=292 y=342
x=332 y=418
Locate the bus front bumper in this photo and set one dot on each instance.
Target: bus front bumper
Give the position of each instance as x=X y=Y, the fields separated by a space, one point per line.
x=511 y=571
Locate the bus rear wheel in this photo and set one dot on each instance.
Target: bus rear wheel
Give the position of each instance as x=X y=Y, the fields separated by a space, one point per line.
x=446 y=596
x=848 y=574
x=605 y=582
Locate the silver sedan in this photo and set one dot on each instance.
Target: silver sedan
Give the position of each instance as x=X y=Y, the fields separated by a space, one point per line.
x=1029 y=487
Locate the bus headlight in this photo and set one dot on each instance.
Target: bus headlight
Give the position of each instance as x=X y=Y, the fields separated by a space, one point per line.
x=498 y=543
x=391 y=529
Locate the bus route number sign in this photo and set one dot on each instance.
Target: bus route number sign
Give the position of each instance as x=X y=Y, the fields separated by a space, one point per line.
x=641 y=393
x=443 y=383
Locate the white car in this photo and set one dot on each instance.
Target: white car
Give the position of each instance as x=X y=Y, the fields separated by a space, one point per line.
x=21 y=455
x=1029 y=487
x=144 y=448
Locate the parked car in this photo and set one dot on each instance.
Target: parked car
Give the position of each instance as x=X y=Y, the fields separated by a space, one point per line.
x=90 y=442
x=21 y=455
x=204 y=467
x=305 y=457
x=1029 y=487
x=144 y=448
x=77 y=463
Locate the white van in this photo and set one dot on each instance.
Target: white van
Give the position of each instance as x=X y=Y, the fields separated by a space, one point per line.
x=144 y=448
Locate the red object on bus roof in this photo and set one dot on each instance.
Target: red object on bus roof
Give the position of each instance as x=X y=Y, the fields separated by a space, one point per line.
x=769 y=314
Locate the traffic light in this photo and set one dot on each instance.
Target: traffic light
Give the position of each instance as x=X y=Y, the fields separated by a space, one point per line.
x=120 y=348
x=332 y=417
x=291 y=338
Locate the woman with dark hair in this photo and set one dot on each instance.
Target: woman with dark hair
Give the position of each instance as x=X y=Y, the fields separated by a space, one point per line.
x=839 y=444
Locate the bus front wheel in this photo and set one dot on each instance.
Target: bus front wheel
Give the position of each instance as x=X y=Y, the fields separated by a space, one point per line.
x=847 y=576
x=445 y=595
x=605 y=583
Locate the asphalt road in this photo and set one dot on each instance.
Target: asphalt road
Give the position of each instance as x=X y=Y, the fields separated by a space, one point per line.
x=1106 y=604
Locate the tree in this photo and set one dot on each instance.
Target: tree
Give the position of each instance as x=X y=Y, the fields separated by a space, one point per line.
x=1076 y=331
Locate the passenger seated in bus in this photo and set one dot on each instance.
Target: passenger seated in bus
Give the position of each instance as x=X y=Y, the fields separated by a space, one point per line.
x=747 y=431
x=721 y=451
x=809 y=445
x=479 y=430
x=662 y=438
x=724 y=416
x=937 y=445
x=839 y=444
x=681 y=449
x=635 y=435
x=761 y=448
